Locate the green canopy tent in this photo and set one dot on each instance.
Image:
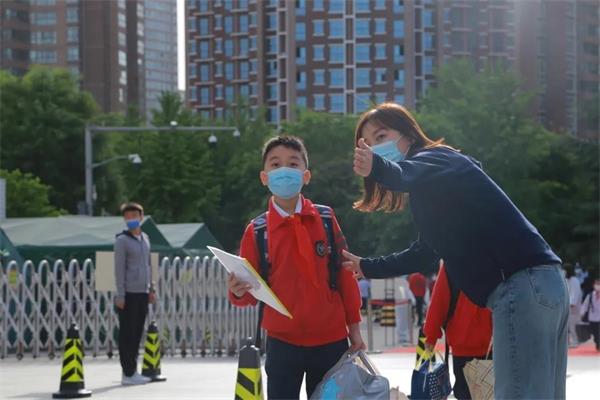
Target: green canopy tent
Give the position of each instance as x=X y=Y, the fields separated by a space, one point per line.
x=8 y=252
x=77 y=237
x=189 y=239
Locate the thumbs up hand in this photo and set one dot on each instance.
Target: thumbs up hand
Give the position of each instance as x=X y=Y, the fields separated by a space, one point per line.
x=363 y=159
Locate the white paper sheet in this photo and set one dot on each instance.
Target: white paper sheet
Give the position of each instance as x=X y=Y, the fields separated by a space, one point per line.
x=244 y=272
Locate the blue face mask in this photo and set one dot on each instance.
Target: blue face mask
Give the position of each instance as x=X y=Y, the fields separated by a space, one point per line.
x=389 y=151
x=285 y=182
x=133 y=223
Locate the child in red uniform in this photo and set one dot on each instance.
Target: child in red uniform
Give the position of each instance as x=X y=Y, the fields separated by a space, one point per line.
x=323 y=317
x=469 y=329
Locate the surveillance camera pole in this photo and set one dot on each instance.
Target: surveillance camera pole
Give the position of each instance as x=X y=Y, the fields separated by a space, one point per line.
x=90 y=130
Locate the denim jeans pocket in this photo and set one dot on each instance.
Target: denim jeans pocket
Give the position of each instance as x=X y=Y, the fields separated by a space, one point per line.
x=547 y=285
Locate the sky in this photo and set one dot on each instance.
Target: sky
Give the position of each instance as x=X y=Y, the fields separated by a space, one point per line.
x=181 y=44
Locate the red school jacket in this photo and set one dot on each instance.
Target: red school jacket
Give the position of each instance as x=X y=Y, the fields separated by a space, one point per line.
x=469 y=330
x=320 y=315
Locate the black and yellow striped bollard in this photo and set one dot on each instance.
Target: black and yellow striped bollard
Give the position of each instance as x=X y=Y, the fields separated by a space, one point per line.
x=151 y=364
x=249 y=377
x=72 y=385
x=388 y=315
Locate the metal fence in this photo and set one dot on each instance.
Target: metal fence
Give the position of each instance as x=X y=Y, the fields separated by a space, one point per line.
x=193 y=314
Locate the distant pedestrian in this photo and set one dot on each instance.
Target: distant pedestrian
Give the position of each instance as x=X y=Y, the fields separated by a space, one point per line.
x=364 y=286
x=591 y=306
x=575 y=296
x=418 y=287
x=135 y=290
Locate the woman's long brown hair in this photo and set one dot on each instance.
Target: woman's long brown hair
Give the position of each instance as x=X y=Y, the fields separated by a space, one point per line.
x=396 y=117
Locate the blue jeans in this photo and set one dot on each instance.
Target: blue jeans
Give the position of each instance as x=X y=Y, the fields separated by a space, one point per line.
x=530 y=313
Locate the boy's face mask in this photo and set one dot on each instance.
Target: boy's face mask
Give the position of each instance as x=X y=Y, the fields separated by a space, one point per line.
x=389 y=151
x=285 y=182
x=132 y=224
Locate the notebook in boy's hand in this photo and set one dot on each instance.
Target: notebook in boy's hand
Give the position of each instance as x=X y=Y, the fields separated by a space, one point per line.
x=244 y=271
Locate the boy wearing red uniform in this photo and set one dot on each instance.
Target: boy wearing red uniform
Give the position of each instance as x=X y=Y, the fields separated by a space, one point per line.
x=324 y=302
x=468 y=329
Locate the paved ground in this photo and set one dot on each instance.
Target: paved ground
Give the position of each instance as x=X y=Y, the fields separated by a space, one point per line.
x=215 y=378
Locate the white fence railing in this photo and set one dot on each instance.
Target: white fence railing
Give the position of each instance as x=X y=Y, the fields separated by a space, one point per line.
x=193 y=314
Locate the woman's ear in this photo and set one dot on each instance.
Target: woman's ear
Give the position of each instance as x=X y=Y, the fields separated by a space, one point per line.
x=264 y=178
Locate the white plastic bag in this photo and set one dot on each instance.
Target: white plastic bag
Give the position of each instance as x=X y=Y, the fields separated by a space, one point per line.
x=353 y=377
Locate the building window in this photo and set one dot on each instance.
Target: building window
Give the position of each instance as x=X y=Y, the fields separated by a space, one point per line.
x=229 y=94
x=300 y=55
x=204 y=49
x=380 y=98
x=300 y=7
x=72 y=34
x=379 y=75
x=398 y=6
x=318 y=5
x=318 y=27
x=202 y=6
x=398 y=29
x=228 y=24
x=43 y=37
x=205 y=96
x=498 y=42
x=336 y=28
x=272 y=68
x=73 y=54
x=399 y=78
x=192 y=70
x=336 y=6
x=319 y=77
x=380 y=51
x=301 y=101
x=272 y=91
x=361 y=5
x=428 y=19
x=398 y=53
x=244 y=91
x=243 y=46
x=273 y=114
x=243 y=23
x=336 y=77
x=337 y=103
x=218 y=22
x=229 y=71
x=363 y=53
x=122 y=58
x=272 y=45
x=300 y=31
x=399 y=99
x=336 y=53
x=362 y=102
x=301 y=80
x=380 y=26
x=43 y=57
x=203 y=26
x=228 y=47
x=272 y=21
x=428 y=43
x=191 y=24
x=428 y=65
x=121 y=20
x=319 y=101
x=318 y=52
x=244 y=70
x=43 y=18
x=204 y=72
x=363 y=78
x=362 y=28
x=72 y=14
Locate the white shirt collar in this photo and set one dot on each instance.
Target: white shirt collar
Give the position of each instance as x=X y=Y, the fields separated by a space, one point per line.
x=284 y=213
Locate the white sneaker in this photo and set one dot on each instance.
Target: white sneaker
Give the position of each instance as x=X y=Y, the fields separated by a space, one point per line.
x=135 y=379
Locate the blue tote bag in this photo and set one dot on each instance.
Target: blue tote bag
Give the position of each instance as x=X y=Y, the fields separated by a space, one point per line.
x=430 y=380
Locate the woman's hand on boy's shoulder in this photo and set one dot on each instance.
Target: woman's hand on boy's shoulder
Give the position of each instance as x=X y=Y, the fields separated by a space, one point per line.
x=352 y=264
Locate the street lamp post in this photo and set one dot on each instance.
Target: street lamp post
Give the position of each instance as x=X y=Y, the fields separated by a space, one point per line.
x=91 y=130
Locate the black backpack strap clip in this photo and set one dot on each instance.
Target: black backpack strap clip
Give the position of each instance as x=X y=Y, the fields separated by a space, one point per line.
x=333 y=265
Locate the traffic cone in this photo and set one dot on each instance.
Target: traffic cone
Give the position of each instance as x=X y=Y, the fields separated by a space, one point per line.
x=151 y=364
x=249 y=377
x=72 y=385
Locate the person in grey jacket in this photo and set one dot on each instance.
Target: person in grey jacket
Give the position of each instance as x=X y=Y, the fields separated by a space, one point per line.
x=135 y=290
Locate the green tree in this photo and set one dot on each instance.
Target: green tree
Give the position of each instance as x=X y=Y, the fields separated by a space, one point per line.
x=42 y=118
x=26 y=196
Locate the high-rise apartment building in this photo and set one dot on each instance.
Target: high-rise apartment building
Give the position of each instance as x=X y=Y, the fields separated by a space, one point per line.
x=107 y=44
x=160 y=50
x=339 y=56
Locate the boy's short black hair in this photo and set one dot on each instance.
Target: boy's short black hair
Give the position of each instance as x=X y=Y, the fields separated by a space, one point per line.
x=131 y=206
x=291 y=142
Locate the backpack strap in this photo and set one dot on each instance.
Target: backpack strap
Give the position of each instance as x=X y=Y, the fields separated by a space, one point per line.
x=333 y=266
x=260 y=235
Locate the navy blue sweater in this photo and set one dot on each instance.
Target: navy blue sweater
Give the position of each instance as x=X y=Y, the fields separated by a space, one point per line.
x=463 y=217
